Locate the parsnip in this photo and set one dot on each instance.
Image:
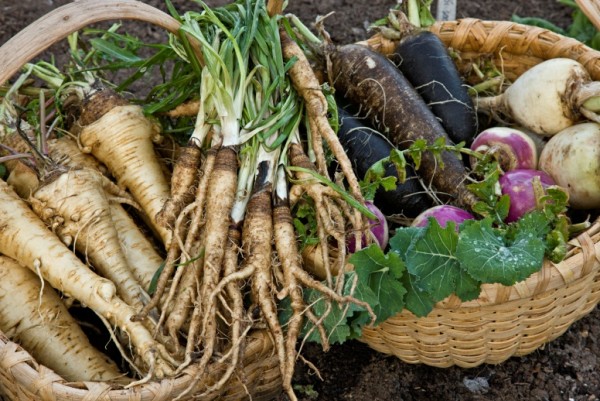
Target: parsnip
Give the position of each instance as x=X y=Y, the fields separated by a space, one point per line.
x=26 y=239
x=141 y=255
x=121 y=138
x=36 y=318
x=75 y=205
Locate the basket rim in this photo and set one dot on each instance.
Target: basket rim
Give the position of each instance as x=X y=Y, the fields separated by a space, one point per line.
x=29 y=374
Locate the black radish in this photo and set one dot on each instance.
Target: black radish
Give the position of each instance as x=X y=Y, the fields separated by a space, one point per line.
x=372 y=81
x=426 y=63
x=365 y=147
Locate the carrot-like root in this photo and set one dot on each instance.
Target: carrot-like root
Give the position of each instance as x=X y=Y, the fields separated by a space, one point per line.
x=140 y=253
x=34 y=315
x=331 y=222
x=76 y=207
x=183 y=295
x=183 y=183
x=306 y=83
x=26 y=238
x=121 y=137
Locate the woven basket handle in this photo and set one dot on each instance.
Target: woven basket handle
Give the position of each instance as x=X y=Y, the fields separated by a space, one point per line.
x=591 y=8
x=61 y=22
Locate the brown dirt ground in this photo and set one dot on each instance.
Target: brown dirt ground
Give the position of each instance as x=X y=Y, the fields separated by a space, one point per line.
x=565 y=369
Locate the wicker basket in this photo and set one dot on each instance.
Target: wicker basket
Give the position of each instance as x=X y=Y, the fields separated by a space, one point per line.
x=23 y=379
x=504 y=321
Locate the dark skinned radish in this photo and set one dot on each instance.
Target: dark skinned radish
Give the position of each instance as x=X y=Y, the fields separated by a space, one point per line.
x=365 y=147
x=373 y=82
x=425 y=62
x=512 y=148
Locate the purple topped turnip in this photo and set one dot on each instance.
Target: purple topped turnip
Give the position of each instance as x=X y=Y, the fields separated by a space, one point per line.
x=548 y=98
x=572 y=159
x=513 y=148
x=520 y=186
x=378 y=230
x=442 y=214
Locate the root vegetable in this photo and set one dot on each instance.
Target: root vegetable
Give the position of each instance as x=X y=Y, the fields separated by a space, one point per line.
x=572 y=159
x=365 y=147
x=120 y=136
x=372 y=81
x=425 y=62
x=378 y=230
x=513 y=148
x=183 y=181
x=524 y=187
x=66 y=152
x=26 y=239
x=75 y=205
x=306 y=83
x=140 y=253
x=548 y=98
x=442 y=214
x=34 y=316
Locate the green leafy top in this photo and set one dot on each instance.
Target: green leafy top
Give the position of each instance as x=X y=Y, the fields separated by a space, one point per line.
x=425 y=265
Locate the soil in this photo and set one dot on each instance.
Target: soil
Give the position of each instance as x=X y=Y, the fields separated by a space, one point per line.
x=565 y=369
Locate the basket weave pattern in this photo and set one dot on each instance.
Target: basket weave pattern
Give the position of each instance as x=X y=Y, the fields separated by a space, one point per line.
x=23 y=379
x=504 y=321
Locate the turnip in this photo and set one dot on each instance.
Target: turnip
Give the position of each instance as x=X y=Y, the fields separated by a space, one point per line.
x=513 y=148
x=524 y=187
x=442 y=214
x=378 y=230
x=548 y=97
x=572 y=159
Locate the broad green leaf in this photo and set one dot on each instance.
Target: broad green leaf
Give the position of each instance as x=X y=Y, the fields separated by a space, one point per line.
x=381 y=273
x=467 y=288
x=489 y=258
x=403 y=239
x=432 y=260
x=532 y=225
x=417 y=301
x=336 y=322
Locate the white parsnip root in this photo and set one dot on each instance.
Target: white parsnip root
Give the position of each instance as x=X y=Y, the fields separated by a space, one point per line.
x=122 y=139
x=27 y=240
x=32 y=314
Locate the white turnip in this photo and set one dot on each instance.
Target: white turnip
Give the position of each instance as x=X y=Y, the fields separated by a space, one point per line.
x=548 y=97
x=572 y=159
